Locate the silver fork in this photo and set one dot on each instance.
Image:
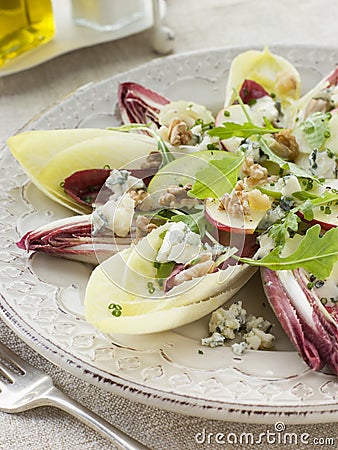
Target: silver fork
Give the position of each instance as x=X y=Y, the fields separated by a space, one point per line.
x=23 y=387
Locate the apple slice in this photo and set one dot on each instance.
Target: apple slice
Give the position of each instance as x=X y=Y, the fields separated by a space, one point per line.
x=236 y=232
x=234 y=113
x=326 y=216
x=222 y=220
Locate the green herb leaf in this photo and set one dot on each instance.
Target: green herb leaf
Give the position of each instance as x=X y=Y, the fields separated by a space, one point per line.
x=307 y=210
x=315 y=254
x=164 y=269
x=218 y=178
x=316 y=129
x=242 y=130
x=279 y=231
x=196 y=222
x=289 y=166
x=326 y=197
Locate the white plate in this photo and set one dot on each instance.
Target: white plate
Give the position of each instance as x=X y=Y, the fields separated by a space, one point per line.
x=42 y=296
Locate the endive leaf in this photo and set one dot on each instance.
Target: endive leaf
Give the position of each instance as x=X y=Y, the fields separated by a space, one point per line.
x=125 y=278
x=268 y=70
x=48 y=157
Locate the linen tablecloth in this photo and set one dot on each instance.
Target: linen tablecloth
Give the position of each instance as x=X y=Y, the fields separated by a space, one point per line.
x=198 y=25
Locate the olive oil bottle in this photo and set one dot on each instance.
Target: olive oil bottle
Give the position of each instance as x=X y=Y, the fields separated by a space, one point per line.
x=24 y=24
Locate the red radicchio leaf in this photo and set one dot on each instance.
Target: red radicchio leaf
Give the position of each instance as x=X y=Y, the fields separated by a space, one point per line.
x=84 y=186
x=71 y=238
x=317 y=340
x=139 y=105
x=170 y=281
x=250 y=91
x=333 y=78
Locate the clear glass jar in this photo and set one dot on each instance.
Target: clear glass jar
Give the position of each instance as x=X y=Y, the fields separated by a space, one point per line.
x=107 y=15
x=24 y=25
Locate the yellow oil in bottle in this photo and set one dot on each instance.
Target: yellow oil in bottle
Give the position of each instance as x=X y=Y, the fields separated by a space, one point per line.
x=24 y=24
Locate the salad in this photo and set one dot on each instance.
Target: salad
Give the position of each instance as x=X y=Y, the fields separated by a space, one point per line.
x=178 y=207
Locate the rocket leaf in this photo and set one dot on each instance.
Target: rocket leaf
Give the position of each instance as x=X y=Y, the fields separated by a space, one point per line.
x=218 y=178
x=314 y=253
x=242 y=130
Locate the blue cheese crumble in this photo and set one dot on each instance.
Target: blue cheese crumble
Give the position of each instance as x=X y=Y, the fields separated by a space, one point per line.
x=233 y=324
x=116 y=215
x=120 y=181
x=180 y=244
x=322 y=164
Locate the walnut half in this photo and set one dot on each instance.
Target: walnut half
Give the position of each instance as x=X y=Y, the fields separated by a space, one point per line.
x=177 y=197
x=285 y=145
x=178 y=133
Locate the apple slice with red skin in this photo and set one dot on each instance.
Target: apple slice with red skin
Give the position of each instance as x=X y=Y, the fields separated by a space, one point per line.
x=239 y=232
x=326 y=218
x=222 y=220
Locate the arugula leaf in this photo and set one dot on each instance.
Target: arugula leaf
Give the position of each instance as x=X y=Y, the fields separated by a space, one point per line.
x=304 y=195
x=164 y=269
x=245 y=130
x=196 y=222
x=279 y=231
x=315 y=254
x=326 y=197
x=307 y=210
x=286 y=165
x=218 y=178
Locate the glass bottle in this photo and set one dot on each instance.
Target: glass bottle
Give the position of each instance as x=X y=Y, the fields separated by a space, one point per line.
x=107 y=15
x=24 y=24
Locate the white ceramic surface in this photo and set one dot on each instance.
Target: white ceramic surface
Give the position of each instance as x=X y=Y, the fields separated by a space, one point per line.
x=42 y=296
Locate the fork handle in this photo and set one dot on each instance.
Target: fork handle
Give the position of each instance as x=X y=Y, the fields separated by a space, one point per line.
x=62 y=401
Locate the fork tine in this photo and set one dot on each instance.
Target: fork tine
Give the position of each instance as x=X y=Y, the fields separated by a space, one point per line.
x=12 y=358
x=6 y=373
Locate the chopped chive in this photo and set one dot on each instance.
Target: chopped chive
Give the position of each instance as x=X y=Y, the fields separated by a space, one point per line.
x=116 y=309
x=151 y=287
